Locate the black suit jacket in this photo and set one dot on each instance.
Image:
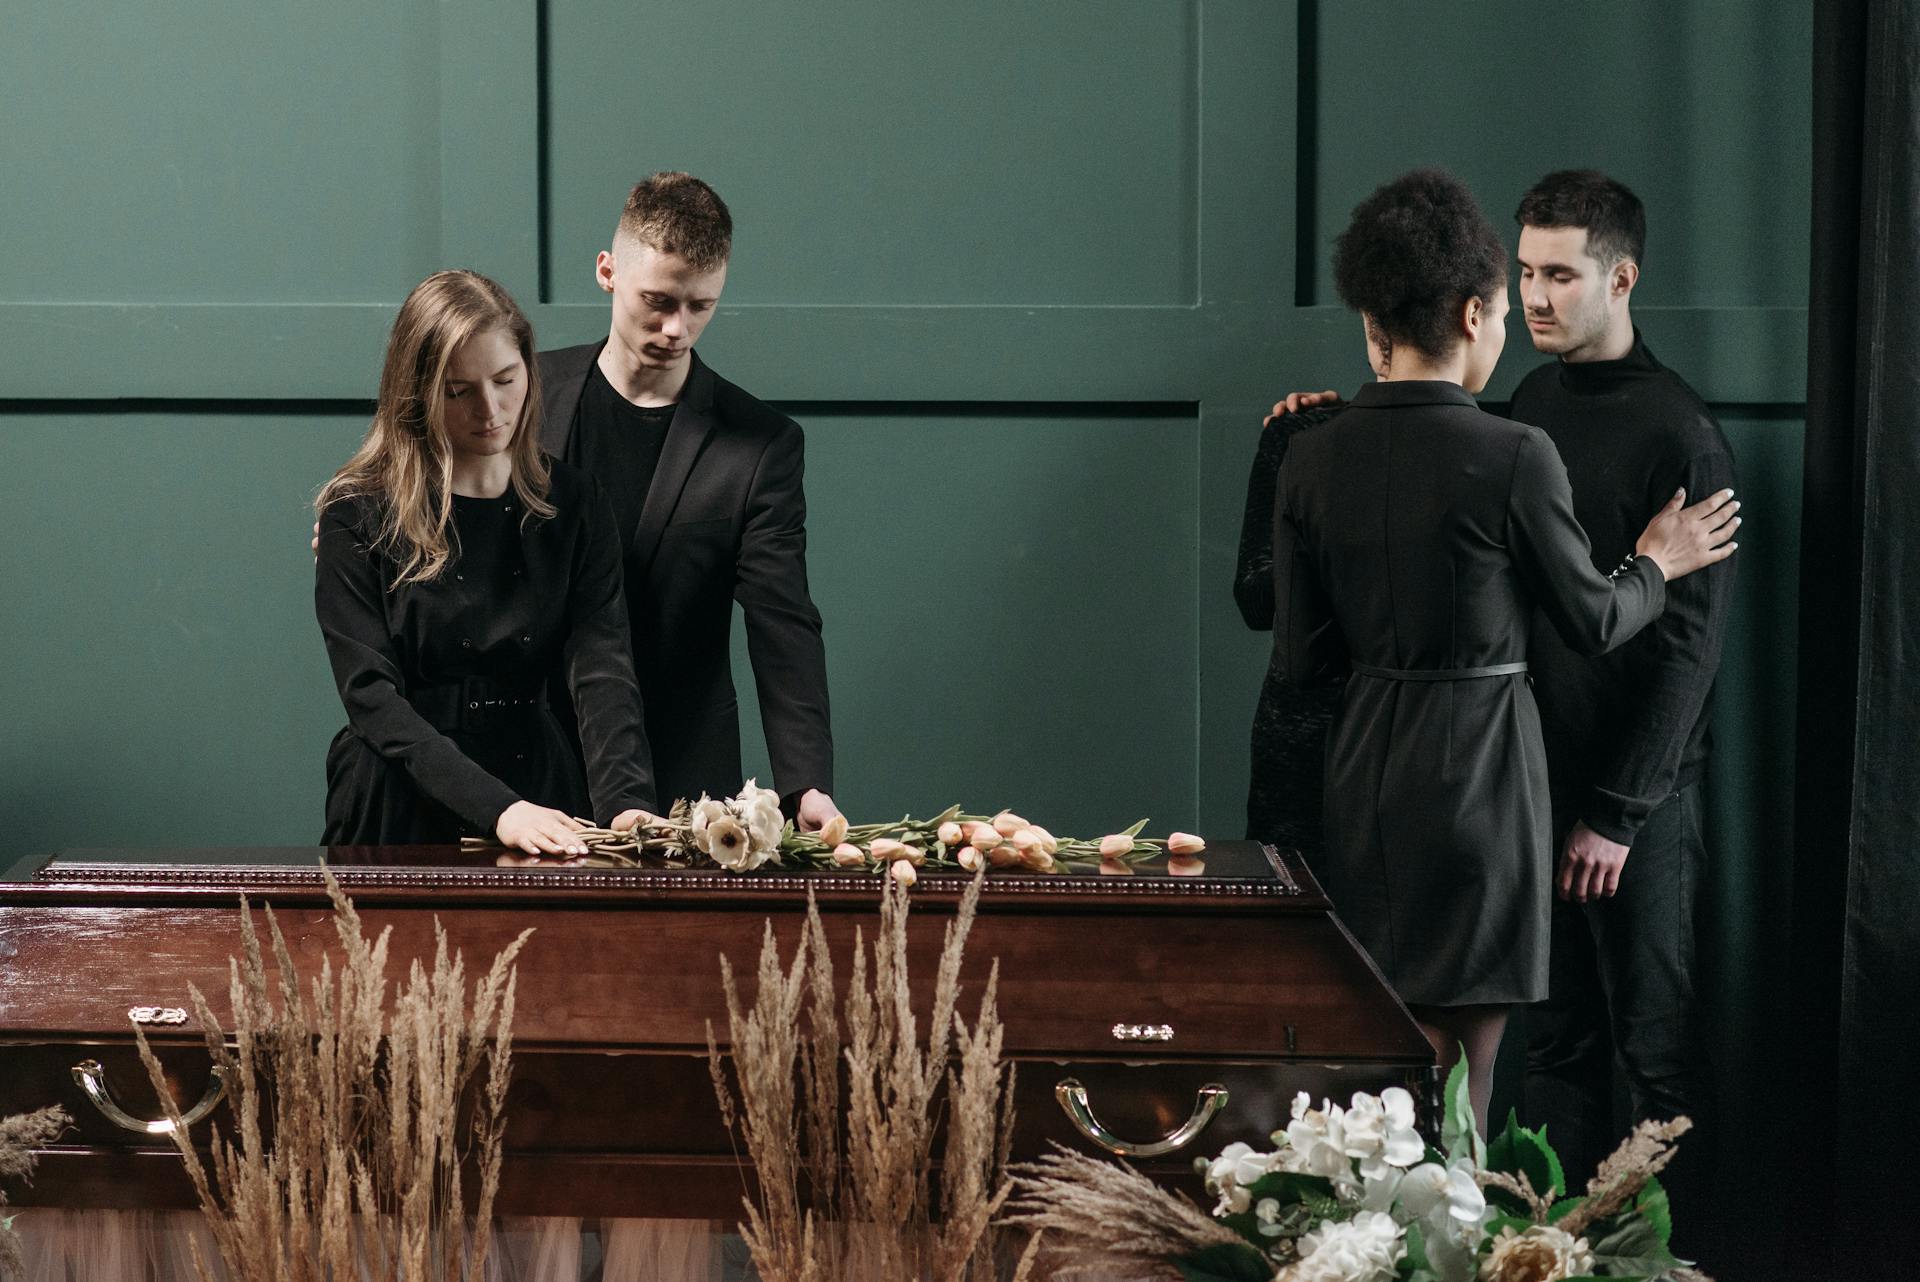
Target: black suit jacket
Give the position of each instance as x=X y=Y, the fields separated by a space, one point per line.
x=725 y=520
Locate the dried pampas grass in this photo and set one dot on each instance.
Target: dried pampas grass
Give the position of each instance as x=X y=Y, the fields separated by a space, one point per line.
x=19 y=1137
x=352 y=1125
x=1106 y=1220
x=1640 y=1157
x=858 y=1200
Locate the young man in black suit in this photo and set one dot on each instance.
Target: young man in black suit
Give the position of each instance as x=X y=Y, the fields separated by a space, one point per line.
x=705 y=482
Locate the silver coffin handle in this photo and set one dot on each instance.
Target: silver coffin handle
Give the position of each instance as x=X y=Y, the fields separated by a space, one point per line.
x=1207 y=1101
x=93 y=1080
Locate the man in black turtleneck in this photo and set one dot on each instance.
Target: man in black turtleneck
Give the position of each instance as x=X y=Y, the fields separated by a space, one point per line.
x=1626 y=733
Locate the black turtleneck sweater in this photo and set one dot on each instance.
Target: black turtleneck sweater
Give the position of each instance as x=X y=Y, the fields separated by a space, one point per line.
x=1626 y=730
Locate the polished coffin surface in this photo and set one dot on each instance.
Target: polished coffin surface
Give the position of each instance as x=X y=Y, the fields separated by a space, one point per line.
x=1143 y=989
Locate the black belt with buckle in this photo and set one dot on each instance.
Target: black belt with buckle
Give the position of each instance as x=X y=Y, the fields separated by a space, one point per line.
x=1440 y=674
x=476 y=704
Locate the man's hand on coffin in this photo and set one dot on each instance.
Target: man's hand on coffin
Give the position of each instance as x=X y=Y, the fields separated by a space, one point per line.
x=815 y=809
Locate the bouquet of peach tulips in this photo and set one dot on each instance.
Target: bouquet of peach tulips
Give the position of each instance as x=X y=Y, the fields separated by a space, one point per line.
x=746 y=832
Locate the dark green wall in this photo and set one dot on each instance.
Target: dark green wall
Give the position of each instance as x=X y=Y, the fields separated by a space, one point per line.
x=1028 y=273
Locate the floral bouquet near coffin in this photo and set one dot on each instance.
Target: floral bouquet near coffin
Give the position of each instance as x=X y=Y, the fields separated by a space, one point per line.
x=1355 y=1195
x=746 y=833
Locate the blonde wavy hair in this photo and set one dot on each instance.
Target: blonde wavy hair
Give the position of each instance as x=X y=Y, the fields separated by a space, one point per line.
x=404 y=464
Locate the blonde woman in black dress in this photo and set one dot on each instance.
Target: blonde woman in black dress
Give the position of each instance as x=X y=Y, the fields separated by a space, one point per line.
x=457 y=568
x=1413 y=537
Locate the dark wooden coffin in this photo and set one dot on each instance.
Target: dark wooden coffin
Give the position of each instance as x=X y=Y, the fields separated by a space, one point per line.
x=1151 y=992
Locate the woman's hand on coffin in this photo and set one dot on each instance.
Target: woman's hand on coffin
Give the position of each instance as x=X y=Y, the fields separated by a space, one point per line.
x=539 y=830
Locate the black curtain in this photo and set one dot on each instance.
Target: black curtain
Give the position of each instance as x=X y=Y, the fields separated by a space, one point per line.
x=1849 y=1135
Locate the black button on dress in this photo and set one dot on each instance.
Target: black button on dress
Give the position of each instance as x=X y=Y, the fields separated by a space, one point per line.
x=443 y=681
x=1414 y=532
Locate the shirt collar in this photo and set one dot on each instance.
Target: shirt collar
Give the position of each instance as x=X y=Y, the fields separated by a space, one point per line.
x=1393 y=395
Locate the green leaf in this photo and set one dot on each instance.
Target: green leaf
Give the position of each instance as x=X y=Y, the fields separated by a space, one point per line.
x=1652 y=1202
x=1416 y=1257
x=1501 y=1220
x=1561 y=1210
x=1230 y=1262
x=1459 y=1133
x=1133 y=831
x=1633 y=1249
x=1290 y=1186
x=1517 y=1150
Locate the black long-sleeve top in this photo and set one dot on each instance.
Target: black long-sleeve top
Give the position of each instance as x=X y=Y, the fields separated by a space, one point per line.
x=520 y=597
x=1626 y=729
x=1253 y=572
x=1287 y=748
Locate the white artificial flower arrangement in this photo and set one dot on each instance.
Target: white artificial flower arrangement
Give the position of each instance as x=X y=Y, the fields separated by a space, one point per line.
x=1355 y=1195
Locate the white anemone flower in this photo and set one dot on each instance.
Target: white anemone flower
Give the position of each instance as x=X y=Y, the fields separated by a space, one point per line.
x=705 y=811
x=759 y=810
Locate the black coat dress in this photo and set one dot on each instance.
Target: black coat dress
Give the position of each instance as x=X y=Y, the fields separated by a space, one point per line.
x=444 y=682
x=1414 y=535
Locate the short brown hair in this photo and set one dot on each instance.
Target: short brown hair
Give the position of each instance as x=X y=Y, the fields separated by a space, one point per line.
x=678 y=214
x=1613 y=217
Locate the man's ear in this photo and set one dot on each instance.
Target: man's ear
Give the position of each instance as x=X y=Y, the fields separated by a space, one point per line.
x=603 y=270
x=1625 y=275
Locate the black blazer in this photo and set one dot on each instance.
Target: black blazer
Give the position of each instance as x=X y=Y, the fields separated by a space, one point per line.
x=725 y=520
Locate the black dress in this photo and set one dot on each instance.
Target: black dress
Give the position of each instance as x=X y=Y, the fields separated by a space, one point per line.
x=1414 y=536
x=1290 y=723
x=443 y=682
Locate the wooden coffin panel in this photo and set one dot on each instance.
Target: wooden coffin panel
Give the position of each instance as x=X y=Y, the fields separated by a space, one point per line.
x=1280 y=986
x=611 y=1110
x=648 y=1123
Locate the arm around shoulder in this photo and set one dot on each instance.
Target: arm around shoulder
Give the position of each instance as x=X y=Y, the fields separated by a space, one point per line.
x=1593 y=612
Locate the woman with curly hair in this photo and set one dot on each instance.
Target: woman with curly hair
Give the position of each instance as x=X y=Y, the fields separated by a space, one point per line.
x=1414 y=536
x=457 y=567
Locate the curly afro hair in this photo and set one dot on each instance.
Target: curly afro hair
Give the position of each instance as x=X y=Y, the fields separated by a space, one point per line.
x=1417 y=249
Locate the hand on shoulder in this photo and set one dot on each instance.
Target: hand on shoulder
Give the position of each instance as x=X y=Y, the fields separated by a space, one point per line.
x=1297 y=401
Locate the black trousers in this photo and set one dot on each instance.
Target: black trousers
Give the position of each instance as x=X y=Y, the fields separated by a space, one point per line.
x=1621 y=993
